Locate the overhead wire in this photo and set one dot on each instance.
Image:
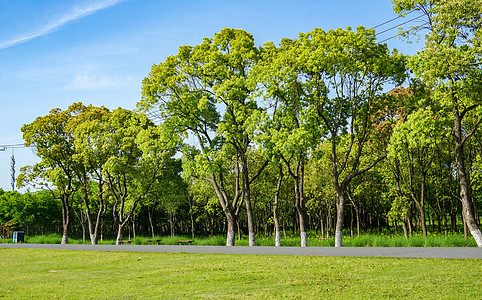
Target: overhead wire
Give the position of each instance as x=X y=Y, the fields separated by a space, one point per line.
x=397 y=34
x=396 y=26
x=13 y=146
x=386 y=22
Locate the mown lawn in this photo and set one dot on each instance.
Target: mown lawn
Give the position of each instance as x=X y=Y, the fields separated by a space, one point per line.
x=47 y=274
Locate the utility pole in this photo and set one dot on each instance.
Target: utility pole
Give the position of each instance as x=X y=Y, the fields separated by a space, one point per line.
x=12 y=160
x=12 y=164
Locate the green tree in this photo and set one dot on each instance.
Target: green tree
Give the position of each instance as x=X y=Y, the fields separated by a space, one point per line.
x=90 y=155
x=36 y=213
x=291 y=130
x=170 y=190
x=412 y=148
x=343 y=74
x=189 y=88
x=319 y=187
x=54 y=145
x=136 y=152
x=451 y=64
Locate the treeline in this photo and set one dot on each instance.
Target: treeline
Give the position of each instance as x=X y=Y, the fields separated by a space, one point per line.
x=36 y=213
x=297 y=136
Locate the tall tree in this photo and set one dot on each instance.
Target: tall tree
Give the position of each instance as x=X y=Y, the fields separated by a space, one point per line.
x=291 y=128
x=54 y=145
x=412 y=149
x=136 y=152
x=190 y=87
x=451 y=64
x=90 y=157
x=343 y=73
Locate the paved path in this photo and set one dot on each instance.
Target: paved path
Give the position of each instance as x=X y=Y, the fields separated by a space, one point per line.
x=413 y=252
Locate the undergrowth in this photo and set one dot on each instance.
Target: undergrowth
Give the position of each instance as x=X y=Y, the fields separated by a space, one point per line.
x=314 y=240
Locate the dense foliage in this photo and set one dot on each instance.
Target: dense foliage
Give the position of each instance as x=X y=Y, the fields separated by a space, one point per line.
x=314 y=134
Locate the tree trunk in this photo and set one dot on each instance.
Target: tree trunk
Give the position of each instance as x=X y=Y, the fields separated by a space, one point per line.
x=150 y=213
x=230 y=235
x=119 y=234
x=284 y=227
x=171 y=223
x=300 y=212
x=463 y=181
x=247 y=199
x=277 y=234
x=94 y=229
x=357 y=222
x=340 y=212
x=227 y=207
x=251 y=230
x=83 y=232
x=297 y=176
x=192 y=226
x=322 y=229
x=422 y=219
x=133 y=226
x=409 y=222
x=239 y=229
x=82 y=222
x=329 y=220
x=65 y=219
x=351 y=222
x=65 y=238
x=404 y=226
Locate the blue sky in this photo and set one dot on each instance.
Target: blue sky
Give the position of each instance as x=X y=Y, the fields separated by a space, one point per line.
x=54 y=53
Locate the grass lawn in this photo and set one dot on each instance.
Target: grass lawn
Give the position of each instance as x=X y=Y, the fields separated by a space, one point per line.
x=32 y=273
x=314 y=240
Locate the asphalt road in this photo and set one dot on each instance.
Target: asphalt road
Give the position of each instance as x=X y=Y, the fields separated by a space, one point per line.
x=412 y=252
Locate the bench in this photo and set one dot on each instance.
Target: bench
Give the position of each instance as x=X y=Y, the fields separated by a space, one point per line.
x=122 y=242
x=185 y=242
x=154 y=240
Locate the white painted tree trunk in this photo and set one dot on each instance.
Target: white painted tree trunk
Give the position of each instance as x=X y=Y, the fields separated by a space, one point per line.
x=119 y=235
x=304 y=240
x=230 y=238
x=476 y=233
x=252 y=239
x=472 y=225
x=65 y=239
x=92 y=239
x=340 y=212
x=277 y=238
x=338 y=238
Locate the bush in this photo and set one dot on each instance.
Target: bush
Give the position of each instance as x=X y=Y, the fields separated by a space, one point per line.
x=44 y=239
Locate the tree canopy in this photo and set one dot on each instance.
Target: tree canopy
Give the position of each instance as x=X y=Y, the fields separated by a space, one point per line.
x=322 y=132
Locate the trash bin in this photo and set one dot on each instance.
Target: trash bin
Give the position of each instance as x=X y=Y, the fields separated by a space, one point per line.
x=18 y=236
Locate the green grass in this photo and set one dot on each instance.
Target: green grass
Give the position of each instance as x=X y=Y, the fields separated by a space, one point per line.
x=314 y=240
x=371 y=240
x=57 y=274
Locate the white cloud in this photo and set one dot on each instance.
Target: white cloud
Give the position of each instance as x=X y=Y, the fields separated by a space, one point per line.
x=76 y=13
x=91 y=82
x=92 y=77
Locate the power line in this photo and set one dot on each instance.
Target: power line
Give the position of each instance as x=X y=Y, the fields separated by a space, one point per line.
x=392 y=20
x=388 y=39
x=397 y=34
x=13 y=146
x=396 y=26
